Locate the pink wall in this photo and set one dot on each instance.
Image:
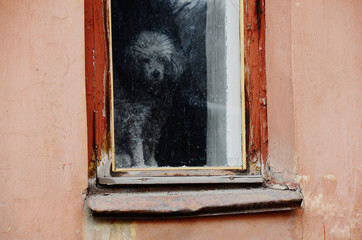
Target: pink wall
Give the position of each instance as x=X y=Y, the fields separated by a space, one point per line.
x=42 y=119
x=314 y=70
x=327 y=86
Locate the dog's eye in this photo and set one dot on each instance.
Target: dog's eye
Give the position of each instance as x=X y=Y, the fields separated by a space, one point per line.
x=145 y=60
x=161 y=59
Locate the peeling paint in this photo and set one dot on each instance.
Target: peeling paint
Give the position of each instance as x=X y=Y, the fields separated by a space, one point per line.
x=104 y=165
x=317 y=205
x=352 y=230
x=329 y=183
x=339 y=223
x=302 y=178
x=330 y=177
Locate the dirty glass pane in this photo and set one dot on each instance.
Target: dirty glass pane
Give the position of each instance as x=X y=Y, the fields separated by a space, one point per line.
x=176 y=83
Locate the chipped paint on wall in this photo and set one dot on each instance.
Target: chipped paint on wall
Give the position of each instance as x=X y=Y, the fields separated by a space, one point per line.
x=302 y=178
x=330 y=219
x=317 y=205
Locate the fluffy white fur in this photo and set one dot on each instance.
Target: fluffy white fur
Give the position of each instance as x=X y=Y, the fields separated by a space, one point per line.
x=153 y=65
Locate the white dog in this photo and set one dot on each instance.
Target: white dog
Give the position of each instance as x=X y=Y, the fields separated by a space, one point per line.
x=153 y=65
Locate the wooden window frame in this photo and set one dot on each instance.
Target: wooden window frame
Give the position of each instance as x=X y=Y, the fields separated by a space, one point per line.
x=249 y=188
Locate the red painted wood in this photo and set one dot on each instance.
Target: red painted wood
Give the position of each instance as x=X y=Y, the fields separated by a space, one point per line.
x=89 y=73
x=263 y=90
x=101 y=74
x=97 y=75
x=255 y=83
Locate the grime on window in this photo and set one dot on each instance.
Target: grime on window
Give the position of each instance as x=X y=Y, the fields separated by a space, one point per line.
x=177 y=90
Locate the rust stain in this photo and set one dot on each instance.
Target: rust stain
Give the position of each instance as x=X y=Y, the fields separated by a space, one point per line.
x=92 y=166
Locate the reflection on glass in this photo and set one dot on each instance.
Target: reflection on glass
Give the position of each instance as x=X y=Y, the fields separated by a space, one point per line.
x=176 y=83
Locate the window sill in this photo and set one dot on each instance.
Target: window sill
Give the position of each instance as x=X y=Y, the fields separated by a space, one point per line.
x=161 y=202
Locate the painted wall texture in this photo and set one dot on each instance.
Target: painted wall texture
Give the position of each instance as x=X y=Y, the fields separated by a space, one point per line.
x=314 y=73
x=314 y=70
x=43 y=165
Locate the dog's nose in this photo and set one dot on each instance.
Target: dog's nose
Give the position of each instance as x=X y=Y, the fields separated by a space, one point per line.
x=156 y=74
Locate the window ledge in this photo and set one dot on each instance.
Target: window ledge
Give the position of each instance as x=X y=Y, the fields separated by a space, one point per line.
x=153 y=203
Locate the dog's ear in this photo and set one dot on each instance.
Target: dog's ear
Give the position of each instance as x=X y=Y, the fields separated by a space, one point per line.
x=178 y=62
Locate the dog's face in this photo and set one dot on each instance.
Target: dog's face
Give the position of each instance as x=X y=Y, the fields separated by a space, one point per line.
x=153 y=68
x=154 y=59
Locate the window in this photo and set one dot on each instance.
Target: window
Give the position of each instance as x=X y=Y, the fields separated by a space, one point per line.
x=193 y=132
x=176 y=92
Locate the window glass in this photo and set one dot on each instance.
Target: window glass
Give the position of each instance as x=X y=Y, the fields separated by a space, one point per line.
x=176 y=83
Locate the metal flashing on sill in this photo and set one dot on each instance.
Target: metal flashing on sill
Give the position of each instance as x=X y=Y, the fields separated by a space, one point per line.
x=166 y=180
x=191 y=203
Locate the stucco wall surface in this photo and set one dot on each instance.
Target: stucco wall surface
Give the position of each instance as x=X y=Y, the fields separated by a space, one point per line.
x=314 y=78
x=327 y=86
x=314 y=70
x=43 y=164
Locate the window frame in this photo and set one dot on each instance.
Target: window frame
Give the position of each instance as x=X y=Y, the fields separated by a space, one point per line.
x=98 y=90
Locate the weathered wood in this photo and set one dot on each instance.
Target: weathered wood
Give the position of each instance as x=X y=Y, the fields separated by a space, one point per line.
x=97 y=81
x=255 y=84
x=101 y=71
x=192 y=203
x=263 y=90
x=179 y=180
x=89 y=73
x=97 y=77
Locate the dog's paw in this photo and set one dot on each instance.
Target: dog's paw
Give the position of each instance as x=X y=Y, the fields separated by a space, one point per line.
x=151 y=162
x=123 y=160
x=139 y=165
